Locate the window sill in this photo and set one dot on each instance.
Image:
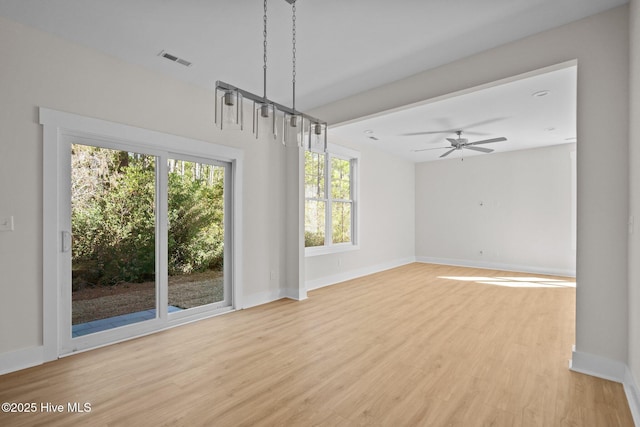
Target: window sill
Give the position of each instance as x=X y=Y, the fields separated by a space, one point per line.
x=326 y=250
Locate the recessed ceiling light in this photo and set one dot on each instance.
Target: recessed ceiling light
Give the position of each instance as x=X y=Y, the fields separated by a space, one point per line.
x=541 y=93
x=368 y=132
x=550 y=129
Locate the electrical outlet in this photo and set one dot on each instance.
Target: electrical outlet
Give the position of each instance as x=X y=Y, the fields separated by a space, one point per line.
x=6 y=223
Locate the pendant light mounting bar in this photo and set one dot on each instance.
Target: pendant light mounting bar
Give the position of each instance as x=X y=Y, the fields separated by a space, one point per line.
x=220 y=85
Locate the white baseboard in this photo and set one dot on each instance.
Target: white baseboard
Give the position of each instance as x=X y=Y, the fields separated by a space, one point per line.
x=270 y=296
x=21 y=359
x=608 y=369
x=497 y=266
x=597 y=366
x=354 y=274
x=294 y=294
x=261 y=298
x=633 y=395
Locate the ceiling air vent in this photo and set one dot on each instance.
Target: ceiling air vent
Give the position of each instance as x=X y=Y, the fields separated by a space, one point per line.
x=174 y=58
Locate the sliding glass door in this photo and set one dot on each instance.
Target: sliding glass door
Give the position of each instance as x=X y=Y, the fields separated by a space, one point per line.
x=113 y=226
x=197 y=201
x=148 y=241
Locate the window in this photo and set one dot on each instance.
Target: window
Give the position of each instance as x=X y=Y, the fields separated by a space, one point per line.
x=330 y=201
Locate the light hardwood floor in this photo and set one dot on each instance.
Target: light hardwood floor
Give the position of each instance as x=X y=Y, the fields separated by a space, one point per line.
x=405 y=347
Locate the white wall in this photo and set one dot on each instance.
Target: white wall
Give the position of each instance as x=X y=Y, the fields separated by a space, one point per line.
x=386 y=209
x=634 y=180
x=514 y=207
x=600 y=44
x=41 y=70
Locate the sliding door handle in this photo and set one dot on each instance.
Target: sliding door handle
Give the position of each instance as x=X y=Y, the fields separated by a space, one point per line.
x=66 y=241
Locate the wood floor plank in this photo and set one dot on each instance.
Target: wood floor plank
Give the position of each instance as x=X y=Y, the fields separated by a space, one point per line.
x=417 y=345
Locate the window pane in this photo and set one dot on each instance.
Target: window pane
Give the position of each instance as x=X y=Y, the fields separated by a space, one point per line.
x=113 y=224
x=341 y=221
x=314 y=224
x=340 y=179
x=314 y=175
x=196 y=234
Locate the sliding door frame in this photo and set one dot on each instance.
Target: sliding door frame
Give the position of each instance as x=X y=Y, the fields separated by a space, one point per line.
x=59 y=129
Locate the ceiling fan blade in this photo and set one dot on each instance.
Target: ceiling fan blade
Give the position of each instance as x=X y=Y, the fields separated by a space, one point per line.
x=425 y=133
x=447 y=123
x=483 y=122
x=482 y=149
x=452 y=141
x=448 y=152
x=471 y=132
x=436 y=132
x=427 y=149
x=488 y=141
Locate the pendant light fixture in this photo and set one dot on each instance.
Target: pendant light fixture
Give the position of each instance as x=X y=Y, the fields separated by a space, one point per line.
x=299 y=129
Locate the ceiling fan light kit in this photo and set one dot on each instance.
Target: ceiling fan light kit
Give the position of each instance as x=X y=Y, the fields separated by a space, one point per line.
x=298 y=129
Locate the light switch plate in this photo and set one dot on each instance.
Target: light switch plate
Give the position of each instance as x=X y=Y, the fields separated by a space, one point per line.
x=6 y=223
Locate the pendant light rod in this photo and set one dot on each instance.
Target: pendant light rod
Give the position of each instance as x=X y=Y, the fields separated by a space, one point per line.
x=293 y=50
x=264 y=43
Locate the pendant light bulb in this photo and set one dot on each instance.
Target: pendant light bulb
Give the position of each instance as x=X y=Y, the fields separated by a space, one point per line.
x=317 y=134
x=265 y=119
x=228 y=99
x=264 y=110
x=293 y=130
x=318 y=137
x=231 y=117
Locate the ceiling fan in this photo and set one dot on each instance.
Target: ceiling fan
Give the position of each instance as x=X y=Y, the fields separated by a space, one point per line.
x=459 y=143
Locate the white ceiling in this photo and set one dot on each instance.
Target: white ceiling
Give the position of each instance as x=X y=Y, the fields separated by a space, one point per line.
x=512 y=109
x=343 y=47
